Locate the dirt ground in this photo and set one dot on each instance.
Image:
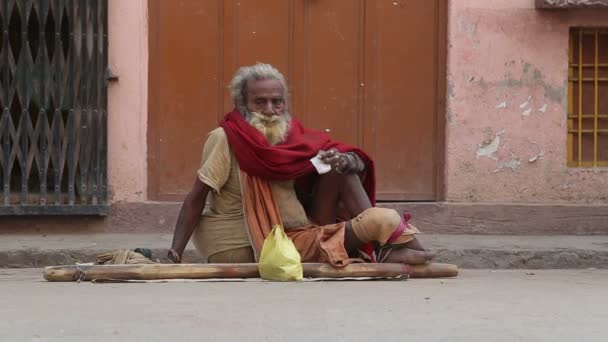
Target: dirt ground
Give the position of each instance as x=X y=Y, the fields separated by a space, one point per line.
x=479 y=305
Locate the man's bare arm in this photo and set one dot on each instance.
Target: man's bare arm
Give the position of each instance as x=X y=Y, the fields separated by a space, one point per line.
x=189 y=216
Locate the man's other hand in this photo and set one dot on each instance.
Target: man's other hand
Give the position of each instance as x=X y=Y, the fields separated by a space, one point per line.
x=340 y=162
x=175 y=257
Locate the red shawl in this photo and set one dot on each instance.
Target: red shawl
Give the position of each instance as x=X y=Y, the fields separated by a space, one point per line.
x=290 y=159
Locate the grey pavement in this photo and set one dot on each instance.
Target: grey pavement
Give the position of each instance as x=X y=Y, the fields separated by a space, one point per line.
x=479 y=305
x=467 y=251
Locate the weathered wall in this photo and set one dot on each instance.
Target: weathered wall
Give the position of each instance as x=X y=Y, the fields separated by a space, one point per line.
x=507 y=101
x=128 y=99
x=559 y=4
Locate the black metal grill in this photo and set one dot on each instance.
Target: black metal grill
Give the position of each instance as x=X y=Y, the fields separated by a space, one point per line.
x=53 y=101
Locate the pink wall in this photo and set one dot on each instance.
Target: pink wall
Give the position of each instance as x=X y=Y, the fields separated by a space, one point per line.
x=507 y=101
x=128 y=100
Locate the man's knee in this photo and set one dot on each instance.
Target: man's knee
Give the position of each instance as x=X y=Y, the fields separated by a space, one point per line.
x=332 y=174
x=376 y=224
x=334 y=178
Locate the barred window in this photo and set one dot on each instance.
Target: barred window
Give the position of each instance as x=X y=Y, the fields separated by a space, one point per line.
x=53 y=100
x=588 y=98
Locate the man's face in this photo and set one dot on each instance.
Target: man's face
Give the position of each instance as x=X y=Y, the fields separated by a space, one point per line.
x=267 y=110
x=265 y=97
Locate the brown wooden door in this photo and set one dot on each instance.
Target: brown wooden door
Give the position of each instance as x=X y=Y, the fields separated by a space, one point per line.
x=371 y=71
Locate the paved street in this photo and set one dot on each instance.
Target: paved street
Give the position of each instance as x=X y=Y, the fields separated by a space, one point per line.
x=480 y=305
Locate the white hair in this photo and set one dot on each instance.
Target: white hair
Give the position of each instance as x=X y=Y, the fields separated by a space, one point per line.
x=256 y=72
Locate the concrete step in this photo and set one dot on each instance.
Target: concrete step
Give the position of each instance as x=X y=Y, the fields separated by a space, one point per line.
x=467 y=251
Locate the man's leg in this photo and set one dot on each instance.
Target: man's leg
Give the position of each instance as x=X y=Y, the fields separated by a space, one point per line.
x=377 y=226
x=339 y=194
x=344 y=191
x=336 y=191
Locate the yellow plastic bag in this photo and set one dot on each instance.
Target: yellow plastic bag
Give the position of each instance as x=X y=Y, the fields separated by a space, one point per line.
x=280 y=259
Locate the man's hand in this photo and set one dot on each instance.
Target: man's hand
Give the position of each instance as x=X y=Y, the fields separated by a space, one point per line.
x=341 y=162
x=175 y=257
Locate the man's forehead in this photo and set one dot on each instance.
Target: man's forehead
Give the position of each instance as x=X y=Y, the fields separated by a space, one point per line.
x=267 y=87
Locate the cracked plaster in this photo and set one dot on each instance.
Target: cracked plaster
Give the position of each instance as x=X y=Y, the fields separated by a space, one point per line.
x=507 y=69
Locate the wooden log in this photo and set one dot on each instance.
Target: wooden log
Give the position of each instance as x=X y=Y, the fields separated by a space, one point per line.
x=354 y=270
x=150 y=271
x=432 y=270
x=207 y=271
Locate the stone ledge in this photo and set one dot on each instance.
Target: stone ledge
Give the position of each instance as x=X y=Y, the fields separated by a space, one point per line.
x=464 y=258
x=467 y=251
x=507 y=219
x=439 y=217
x=570 y=4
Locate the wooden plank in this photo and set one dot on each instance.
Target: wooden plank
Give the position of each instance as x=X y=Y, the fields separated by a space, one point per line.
x=401 y=97
x=327 y=82
x=207 y=271
x=185 y=90
x=343 y=70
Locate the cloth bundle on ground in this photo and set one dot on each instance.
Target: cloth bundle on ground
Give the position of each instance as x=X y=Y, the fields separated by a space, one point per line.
x=124 y=256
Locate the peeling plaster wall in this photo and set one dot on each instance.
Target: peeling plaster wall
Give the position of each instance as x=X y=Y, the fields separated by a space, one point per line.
x=554 y=4
x=506 y=105
x=128 y=99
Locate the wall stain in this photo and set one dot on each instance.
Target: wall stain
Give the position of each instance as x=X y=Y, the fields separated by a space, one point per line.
x=470 y=30
x=532 y=76
x=450 y=89
x=489 y=148
x=512 y=164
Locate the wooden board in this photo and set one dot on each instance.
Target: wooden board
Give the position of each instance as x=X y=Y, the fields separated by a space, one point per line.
x=206 y=271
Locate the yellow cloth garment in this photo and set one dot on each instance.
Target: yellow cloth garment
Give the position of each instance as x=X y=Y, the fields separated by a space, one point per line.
x=222 y=224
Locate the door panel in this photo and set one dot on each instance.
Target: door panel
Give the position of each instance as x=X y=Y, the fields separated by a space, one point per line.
x=185 y=90
x=263 y=37
x=328 y=48
x=401 y=96
x=368 y=70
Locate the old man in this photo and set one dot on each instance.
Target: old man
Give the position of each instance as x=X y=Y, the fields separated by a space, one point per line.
x=256 y=168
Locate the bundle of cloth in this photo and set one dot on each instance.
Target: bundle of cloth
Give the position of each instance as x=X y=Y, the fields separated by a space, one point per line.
x=125 y=256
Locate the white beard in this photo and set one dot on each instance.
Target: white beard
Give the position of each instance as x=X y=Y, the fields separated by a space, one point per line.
x=274 y=128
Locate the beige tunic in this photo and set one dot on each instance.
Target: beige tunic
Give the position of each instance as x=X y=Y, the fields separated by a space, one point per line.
x=222 y=224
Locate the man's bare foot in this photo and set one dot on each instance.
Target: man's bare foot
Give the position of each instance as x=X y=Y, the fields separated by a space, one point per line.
x=409 y=256
x=414 y=244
